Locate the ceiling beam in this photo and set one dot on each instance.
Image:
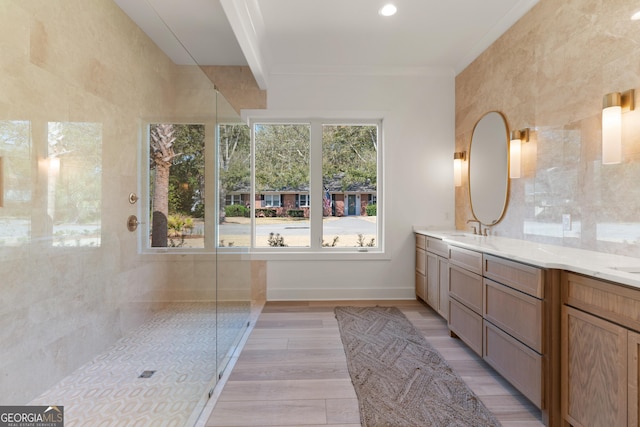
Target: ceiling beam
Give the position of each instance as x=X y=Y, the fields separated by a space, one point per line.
x=246 y=22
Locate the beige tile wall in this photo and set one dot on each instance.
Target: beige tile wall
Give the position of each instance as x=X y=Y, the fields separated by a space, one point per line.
x=79 y=61
x=549 y=72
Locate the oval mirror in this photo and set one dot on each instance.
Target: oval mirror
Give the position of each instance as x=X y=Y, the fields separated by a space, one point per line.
x=489 y=168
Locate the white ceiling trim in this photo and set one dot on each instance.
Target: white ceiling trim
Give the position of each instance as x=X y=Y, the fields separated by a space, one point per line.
x=360 y=70
x=506 y=22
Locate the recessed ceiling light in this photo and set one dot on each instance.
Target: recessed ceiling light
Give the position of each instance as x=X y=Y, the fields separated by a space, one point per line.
x=636 y=16
x=388 y=10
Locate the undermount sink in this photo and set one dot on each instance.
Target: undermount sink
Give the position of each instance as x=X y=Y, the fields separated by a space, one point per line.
x=635 y=269
x=462 y=235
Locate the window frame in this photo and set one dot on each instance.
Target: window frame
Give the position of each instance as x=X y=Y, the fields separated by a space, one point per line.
x=249 y=117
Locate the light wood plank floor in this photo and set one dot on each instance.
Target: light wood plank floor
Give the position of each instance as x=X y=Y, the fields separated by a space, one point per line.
x=292 y=371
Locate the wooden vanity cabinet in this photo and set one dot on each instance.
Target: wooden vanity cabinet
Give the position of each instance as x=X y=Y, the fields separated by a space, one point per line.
x=599 y=355
x=421 y=266
x=432 y=273
x=513 y=326
x=465 y=296
x=509 y=313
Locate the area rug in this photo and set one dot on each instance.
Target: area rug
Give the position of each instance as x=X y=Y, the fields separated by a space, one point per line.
x=399 y=378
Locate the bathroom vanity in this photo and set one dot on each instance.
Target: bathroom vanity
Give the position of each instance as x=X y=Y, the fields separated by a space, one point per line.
x=562 y=325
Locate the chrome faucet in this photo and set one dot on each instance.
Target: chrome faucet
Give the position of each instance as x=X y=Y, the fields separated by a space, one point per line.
x=479 y=230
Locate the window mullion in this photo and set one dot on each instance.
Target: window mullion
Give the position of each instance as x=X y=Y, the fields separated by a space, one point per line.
x=252 y=203
x=315 y=187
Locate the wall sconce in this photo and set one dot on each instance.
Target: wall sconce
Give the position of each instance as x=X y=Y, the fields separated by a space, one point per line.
x=458 y=157
x=515 y=151
x=613 y=105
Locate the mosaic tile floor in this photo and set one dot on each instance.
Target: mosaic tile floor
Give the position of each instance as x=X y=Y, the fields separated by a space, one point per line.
x=179 y=344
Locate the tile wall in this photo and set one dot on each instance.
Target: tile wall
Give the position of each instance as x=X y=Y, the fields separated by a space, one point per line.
x=549 y=72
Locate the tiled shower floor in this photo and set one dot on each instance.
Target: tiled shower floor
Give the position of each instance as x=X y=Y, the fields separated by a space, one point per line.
x=179 y=343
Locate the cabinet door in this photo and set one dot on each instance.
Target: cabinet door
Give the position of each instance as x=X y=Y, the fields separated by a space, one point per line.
x=433 y=281
x=634 y=378
x=443 y=269
x=421 y=271
x=594 y=370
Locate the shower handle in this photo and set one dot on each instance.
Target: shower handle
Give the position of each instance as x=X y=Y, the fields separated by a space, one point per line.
x=132 y=223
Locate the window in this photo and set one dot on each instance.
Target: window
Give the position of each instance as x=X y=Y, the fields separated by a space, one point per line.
x=271 y=200
x=285 y=165
x=281 y=158
x=233 y=149
x=303 y=200
x=350 y=176
x=176 y=185
x=233 y=199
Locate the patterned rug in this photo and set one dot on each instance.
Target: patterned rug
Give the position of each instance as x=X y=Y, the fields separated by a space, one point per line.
x=399 y=378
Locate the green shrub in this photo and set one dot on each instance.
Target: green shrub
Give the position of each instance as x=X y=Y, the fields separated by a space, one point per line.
x=236 y=210
x=296 y=213
x=266 y=212
x=372 y=210
x=179 y=223
x=276 y=240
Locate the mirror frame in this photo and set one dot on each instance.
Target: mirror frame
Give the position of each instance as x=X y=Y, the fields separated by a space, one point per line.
x=507 y=179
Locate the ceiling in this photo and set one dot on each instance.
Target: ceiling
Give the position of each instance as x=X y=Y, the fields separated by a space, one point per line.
x=311 y=36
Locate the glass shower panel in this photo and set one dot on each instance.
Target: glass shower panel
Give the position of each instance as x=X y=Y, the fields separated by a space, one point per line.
x=89 y=307
x=233 y=266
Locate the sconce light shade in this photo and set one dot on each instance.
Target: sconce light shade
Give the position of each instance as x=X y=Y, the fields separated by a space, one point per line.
x=458 y=157
x=515 y=151
x=613 y=104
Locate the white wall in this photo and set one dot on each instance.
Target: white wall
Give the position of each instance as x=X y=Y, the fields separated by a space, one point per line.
x=418 y=125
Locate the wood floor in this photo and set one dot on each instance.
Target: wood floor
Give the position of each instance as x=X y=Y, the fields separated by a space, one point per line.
x=292 y=371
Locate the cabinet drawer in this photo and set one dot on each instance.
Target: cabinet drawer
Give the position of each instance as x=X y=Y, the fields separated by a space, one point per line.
x=608 y=300
x=466 y=287
x=437 y=246
x=421 y=240
x=519 y=276
x=421 y=261
x=518 y=314
x=466 y=324
x=516 y=362
x=465 y=258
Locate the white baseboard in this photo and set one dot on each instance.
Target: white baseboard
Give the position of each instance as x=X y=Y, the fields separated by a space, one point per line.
x=328 y=294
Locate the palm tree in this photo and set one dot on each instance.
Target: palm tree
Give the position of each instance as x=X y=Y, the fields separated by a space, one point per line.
x=161 y=157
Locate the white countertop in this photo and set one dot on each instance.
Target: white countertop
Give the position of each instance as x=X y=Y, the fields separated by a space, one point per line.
x=616 y=268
